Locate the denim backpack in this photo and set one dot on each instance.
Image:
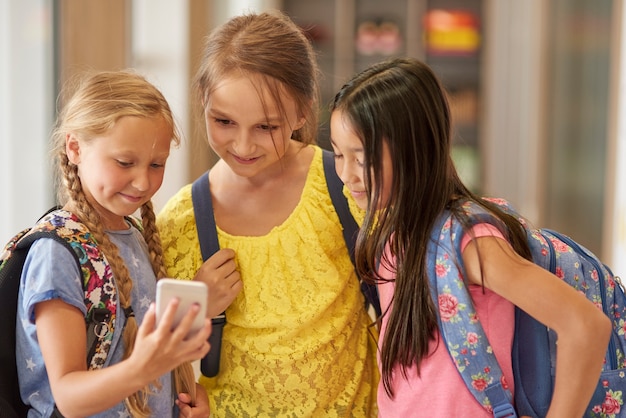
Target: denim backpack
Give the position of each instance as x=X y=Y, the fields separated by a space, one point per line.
x=534 y=345
x=100 y=298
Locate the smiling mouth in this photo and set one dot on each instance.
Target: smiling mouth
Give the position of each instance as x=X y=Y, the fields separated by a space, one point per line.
x=245 y=160
x=132 y=198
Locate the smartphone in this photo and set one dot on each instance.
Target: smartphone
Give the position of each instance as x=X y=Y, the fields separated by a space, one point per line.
x=188 y=292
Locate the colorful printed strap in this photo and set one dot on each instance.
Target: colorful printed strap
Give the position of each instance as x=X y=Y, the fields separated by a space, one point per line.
x=459 y=324
x=97 y=278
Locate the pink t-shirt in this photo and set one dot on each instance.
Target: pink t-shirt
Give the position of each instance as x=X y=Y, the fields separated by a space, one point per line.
x=440 y=391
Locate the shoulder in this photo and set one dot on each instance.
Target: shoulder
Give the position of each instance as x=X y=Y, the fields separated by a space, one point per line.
x=176 y=223
x=51 y=271
x=321 y=171
x=177 y=219
x=469 y=214
x=178 y=211
x=49 y=251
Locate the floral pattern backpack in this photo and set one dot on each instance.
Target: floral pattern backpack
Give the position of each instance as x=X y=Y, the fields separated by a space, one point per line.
x=534 y=345
x=98 y=285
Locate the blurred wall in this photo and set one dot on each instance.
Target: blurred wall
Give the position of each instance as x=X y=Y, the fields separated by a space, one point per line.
x=26 y=112
x=537 y=58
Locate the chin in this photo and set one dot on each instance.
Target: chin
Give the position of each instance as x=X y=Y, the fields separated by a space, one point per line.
x=362 y=203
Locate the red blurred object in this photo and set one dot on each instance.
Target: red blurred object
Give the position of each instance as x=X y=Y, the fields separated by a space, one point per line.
x=451 y=32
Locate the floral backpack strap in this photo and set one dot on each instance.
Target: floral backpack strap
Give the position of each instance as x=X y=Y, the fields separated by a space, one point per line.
x=459 y=325
x=97 y=280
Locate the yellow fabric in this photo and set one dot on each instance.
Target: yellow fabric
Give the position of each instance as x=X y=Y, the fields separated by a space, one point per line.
x=297 y=342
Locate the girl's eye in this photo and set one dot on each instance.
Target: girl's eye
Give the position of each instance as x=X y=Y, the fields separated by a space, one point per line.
x=124 y=163
x=157 y=165
x=337 y=156
x=268 y=127
x=223 y=121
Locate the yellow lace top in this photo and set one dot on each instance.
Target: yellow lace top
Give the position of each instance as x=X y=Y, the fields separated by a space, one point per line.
x=297 y=342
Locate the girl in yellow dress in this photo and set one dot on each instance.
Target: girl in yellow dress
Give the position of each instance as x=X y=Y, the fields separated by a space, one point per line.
x=298 y=341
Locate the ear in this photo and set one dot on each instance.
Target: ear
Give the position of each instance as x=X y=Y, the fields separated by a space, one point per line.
x=300 y=123
x=72 y=148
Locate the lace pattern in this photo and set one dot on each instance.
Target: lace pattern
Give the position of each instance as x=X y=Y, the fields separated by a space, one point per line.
x=297 y=341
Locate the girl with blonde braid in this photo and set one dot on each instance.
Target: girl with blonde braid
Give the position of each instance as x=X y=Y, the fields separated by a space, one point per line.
x=111 y=143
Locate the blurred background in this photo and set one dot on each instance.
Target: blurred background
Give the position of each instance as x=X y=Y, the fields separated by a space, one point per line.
x=537 y=90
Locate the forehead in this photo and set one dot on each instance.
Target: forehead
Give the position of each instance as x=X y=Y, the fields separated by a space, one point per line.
x=151 y=134
x=342 y=132
x=236 y=90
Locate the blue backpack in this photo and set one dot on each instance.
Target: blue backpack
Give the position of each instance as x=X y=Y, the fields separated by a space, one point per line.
x=534 y=345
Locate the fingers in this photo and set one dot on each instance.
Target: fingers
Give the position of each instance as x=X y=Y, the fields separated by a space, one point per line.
x=165 y=319
x=197 y=345
x=220 y=274
x=184 y=328
x=149 y=321
x=223 y=260
x=184 y=397
x=200 y=409
x=219 y=266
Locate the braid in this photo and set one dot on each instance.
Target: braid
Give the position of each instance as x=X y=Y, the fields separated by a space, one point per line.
x=184 y=376
x=97 y=101
x=137 y=402
x=153 y=239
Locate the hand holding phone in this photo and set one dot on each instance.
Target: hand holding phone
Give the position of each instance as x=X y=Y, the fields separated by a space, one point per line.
x=188 y=292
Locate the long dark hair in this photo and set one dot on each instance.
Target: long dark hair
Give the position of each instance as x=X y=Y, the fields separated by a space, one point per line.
x=401 y=102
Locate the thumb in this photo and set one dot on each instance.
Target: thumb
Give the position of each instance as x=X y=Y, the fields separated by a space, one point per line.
x=184 y=398
x=149 y=321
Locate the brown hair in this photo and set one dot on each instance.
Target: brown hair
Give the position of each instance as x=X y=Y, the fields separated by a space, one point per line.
x=270 y=46
x=96 y=102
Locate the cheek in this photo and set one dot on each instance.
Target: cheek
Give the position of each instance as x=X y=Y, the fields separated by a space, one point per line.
x=156 y=180
x=212 y=133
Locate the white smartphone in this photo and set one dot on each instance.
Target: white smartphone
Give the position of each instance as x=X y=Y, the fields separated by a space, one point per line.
x=188 y=292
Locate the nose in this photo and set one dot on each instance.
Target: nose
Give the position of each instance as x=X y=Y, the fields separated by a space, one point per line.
x=243 y=145
x=347 y=170
x=141 y=180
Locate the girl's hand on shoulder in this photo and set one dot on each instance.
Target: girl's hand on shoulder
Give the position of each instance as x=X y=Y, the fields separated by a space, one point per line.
x=160 y=349
x=200 y=410
x=220 y=274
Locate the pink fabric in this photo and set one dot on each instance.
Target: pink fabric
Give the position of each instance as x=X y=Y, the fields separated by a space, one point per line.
x=440 y=391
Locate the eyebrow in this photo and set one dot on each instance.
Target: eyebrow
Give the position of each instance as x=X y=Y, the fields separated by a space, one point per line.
x=354 y=149
x=271 y=119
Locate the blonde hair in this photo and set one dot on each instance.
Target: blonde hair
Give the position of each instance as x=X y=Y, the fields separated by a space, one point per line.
x=97 y=101
x=270 y=46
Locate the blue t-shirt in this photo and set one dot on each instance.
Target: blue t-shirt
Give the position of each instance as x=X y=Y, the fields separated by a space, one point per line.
x=50 y=272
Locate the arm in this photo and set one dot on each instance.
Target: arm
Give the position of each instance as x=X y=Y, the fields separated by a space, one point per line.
x=61 y=334
x=583 y=330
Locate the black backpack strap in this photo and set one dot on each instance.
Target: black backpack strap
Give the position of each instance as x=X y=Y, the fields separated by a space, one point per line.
x=209 y=245
x=350 y=227
x=11 y=268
